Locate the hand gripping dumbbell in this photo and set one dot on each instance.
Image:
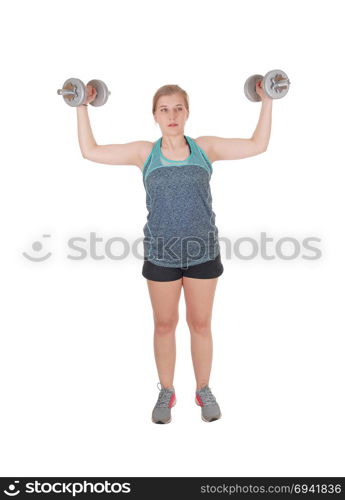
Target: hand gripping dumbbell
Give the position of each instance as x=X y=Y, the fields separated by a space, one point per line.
x=74 y=92
x=275 y=84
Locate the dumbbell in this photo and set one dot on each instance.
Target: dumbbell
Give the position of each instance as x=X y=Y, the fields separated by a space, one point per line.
x=275 y=85
x=74 y=92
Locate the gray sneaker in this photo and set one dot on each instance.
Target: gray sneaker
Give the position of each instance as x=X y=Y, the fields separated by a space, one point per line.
x=161 y=413
x=210 y=410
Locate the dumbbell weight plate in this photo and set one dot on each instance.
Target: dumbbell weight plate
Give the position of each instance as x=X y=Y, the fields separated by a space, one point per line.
x=79 y=88
x=102 y=92
x=273 y=77
x=250 y=88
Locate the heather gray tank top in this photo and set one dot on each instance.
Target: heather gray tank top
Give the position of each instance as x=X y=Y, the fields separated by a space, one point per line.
x=180 y=230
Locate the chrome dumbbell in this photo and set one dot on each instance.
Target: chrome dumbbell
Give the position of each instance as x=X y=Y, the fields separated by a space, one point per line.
x=275 y=84
x=74 y=92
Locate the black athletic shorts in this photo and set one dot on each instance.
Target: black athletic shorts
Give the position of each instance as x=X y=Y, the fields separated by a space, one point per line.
x=205 y=270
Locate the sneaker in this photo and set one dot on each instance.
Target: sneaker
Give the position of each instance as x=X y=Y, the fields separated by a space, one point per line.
x=161 y=413
x=210 y=410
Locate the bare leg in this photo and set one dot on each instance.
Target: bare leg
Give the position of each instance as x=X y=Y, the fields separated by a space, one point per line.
x=199 y=296
x=165 y=297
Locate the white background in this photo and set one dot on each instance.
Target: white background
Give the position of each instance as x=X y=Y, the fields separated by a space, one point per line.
x=78 y=376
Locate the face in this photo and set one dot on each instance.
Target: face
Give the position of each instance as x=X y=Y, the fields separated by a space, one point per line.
x=171 y=109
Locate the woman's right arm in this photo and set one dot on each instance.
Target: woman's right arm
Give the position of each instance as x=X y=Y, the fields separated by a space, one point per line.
x=86 y=139
x=113 y=154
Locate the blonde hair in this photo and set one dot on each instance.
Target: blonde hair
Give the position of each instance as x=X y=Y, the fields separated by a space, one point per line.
x=169 y=90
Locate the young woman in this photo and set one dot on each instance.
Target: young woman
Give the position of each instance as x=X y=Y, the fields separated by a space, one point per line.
x=181 y=247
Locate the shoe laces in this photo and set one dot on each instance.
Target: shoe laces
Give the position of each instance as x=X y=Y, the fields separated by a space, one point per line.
x=164 y=397
x=207 y=396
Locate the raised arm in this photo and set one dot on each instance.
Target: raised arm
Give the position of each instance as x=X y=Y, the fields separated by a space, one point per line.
x=86 y=139
x=113 y=154
x=234 y=149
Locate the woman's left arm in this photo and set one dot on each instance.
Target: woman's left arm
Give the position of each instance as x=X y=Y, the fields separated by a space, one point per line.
x=234 y=149
x=261 y=135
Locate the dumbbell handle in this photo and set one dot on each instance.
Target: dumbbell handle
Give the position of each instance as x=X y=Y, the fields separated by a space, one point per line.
x=281 y=83
x=71 y=92
x=66 y=92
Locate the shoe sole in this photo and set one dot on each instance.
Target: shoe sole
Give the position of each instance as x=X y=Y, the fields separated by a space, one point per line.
x=204 y=419
x=161 y=421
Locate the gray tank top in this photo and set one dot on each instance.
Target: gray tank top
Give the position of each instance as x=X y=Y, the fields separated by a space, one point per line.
x=180 y=230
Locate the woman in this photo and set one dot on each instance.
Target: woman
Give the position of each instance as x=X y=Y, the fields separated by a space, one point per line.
x=181 y=247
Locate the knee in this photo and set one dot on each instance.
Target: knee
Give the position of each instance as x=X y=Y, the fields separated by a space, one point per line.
x=199 y=326
x=166 y=327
